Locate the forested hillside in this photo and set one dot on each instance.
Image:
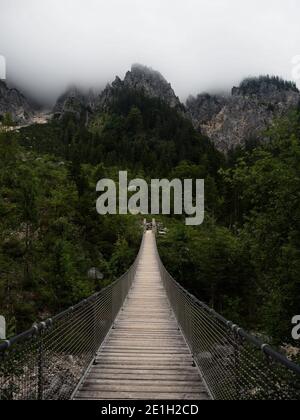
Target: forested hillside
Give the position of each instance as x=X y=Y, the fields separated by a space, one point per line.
x=51 y=235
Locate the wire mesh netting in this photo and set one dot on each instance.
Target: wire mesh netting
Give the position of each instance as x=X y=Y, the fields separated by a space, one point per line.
x=48 y=362
x=233 y=364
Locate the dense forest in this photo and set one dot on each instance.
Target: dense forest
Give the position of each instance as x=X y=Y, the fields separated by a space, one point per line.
x=51 y=235
x=244 y=260
x=261 y=84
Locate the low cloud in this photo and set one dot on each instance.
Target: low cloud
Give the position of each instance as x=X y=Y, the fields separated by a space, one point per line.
x=198 y=45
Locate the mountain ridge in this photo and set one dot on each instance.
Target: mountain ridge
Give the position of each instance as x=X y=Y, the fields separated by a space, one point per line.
x=229 y=121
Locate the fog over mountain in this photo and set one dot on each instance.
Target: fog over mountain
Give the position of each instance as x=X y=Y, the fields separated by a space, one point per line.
x=198 y=45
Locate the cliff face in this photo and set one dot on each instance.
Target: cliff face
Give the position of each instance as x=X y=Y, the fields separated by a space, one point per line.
x=14 y=103
x=252 y=107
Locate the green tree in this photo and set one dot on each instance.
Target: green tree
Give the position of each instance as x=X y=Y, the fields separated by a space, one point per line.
x=8 y=120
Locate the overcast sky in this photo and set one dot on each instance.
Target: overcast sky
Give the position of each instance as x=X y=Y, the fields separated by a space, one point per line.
x=198 y=45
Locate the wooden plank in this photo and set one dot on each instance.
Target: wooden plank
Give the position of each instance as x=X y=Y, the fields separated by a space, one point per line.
x=153 y=384
x=178 y=370
x=151 y=361
x=133 y=386
x=145 y=363
x=143 y=355
x=165 y=377
x=152 y=396
x=144 y=350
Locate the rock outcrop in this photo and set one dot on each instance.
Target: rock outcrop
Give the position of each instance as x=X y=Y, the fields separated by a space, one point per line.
x=74 y=101
x=252 y=107
x=152 y=83
x=15 y=104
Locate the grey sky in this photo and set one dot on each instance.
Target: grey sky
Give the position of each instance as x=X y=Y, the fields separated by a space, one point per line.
x=198 y=45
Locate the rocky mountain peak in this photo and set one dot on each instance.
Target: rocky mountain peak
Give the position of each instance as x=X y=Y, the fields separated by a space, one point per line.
x=117 y=83
x=140 y=72
x=152 y=83
x=143 y=79
x=140 y=78
x=71 y=99
x=75 y=100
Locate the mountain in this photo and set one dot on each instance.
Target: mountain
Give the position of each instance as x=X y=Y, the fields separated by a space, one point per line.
x=142 y=79
x=152 y=83
x=75 y=101
x=252 y=107
x=229 y=121
x=72 y=100
x=15 y=103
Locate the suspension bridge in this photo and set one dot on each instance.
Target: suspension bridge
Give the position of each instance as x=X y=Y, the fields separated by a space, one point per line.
x=143 y=337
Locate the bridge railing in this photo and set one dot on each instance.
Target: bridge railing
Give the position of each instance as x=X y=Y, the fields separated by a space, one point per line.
x=234 y=364
x=48 y=361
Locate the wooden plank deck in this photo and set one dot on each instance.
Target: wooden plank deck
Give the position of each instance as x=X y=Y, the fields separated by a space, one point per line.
x=145 y=355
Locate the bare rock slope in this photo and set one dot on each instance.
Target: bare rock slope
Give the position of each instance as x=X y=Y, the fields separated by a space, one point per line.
x=14 y=103
x=252 y=108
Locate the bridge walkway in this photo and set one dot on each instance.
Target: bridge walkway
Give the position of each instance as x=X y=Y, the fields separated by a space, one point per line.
x=145 y=355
